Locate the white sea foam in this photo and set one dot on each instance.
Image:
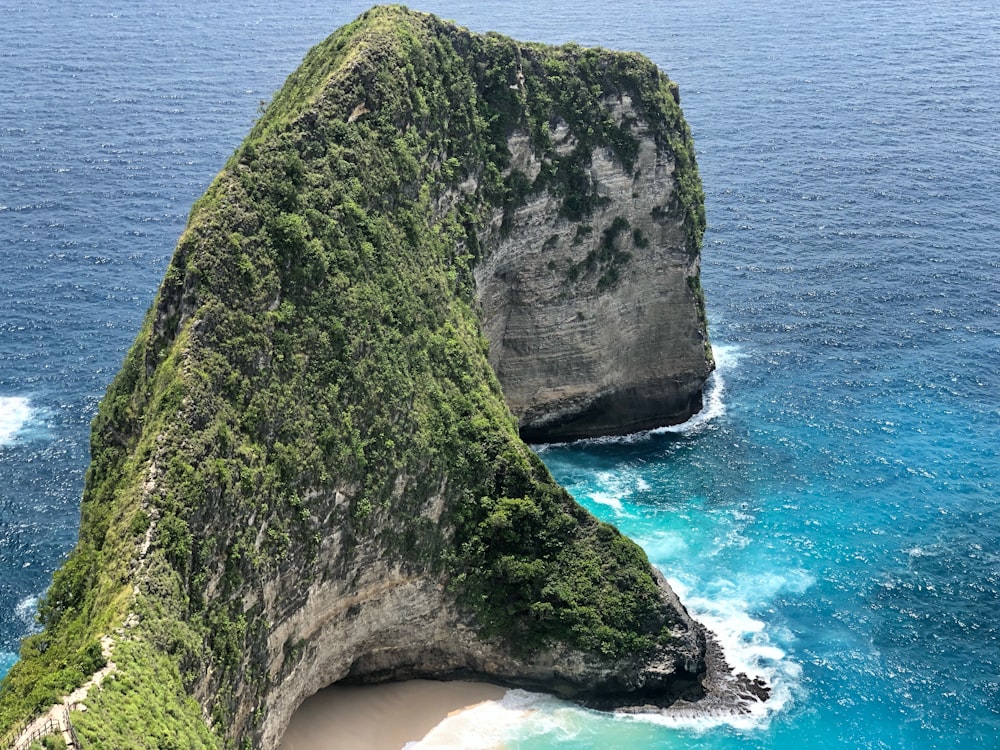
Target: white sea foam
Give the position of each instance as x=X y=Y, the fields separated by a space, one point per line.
x=26 y=609
x=664 y=546
x=612 y=487
x=714 y=406
x=747 y=644
x=15 y=413
x=606 y=498
x=487 y=725
x=7 y=660
x=726 y=359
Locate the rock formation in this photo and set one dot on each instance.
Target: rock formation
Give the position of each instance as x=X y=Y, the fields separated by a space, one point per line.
x=306 y=471
x=597 y=326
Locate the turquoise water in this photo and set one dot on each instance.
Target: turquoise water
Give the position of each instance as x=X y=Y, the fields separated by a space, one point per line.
x=834 y=515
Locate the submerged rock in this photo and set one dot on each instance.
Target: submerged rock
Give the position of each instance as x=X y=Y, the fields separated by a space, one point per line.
x=306 y=471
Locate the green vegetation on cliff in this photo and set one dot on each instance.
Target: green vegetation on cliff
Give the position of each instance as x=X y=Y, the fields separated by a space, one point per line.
x=315 y=337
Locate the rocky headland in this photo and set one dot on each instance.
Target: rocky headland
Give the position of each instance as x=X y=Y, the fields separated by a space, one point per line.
x=311 y=469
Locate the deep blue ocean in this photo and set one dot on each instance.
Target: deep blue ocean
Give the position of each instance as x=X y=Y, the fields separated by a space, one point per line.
x=834 y=514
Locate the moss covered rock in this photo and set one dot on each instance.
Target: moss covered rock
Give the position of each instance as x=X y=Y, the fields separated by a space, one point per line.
x=306 y=470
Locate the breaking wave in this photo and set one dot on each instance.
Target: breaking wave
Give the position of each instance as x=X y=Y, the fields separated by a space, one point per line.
x=7 y=660
x=726 y=359
x=749 y=647
x=26 y=610
x=15 y=413
x=714 y=406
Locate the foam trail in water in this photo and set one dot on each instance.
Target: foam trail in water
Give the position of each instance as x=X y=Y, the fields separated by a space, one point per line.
x=15 y=413
x=518 y=716
x=26 y=610
x=747 y=646
x=7 y=660
x=724 y=607
x=612 y=488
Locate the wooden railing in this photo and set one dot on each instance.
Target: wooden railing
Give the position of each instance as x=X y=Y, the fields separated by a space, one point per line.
x=74 y=740
x=9 y=740
x=55 y=722
x=21 y=739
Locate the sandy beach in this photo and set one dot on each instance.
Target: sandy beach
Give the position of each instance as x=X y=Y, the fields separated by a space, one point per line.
x=380 y=717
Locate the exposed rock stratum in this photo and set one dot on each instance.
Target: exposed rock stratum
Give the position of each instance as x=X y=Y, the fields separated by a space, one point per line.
x=597 y=326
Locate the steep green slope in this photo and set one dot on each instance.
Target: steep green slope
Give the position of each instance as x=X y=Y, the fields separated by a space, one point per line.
x=312 y=378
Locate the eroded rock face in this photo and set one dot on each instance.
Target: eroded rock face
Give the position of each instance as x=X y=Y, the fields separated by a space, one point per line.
x=596 y=326
x=393 y=624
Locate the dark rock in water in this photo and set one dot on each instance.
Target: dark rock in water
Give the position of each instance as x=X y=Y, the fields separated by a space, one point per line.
x=306 y=471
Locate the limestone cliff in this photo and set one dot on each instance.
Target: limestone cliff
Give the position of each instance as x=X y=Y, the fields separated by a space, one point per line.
x=597 y=326
x=306 y=471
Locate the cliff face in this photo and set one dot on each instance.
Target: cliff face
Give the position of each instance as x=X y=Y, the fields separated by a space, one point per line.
x=597 y=326
x=306 y=471
x=393 y=623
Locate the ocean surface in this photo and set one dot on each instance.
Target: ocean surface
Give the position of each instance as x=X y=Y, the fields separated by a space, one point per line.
x=833 y=514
